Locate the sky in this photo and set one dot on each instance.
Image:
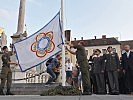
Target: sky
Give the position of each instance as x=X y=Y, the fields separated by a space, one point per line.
x=85 y=18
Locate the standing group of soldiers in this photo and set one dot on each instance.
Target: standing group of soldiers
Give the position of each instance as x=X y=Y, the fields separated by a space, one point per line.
x=111 y=71
x=106 y=73
x=108 y=65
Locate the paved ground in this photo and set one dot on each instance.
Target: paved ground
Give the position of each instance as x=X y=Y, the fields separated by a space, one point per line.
x=93 y=97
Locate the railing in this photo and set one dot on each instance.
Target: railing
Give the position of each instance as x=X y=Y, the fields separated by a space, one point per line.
x=43 y=78
x=31 y=76
x=34 y=77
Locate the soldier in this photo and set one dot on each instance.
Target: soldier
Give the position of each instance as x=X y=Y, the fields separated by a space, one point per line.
x=99 y=72
x=112 y=67
x=84 y=66
x=6 y=73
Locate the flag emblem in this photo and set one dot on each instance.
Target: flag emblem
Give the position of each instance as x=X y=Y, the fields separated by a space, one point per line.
x=43 y=44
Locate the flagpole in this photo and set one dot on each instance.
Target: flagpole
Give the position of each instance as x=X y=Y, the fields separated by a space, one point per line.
x=63 y=46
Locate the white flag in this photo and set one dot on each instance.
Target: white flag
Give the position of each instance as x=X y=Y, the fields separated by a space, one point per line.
x=40 y=46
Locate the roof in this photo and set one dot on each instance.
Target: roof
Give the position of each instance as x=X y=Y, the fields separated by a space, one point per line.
x=99 y=42
x=128 y=42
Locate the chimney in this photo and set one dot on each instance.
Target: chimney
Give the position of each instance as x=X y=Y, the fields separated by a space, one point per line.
x=81 y=38
x=103 y=36
x=95 y=37
x=67 y=35
x=74 y=39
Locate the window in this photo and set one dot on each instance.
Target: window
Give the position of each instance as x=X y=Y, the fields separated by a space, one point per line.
x=87 y=52
x=113 y=49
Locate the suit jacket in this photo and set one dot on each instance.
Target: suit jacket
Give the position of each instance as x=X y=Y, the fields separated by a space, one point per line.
x=127 y=63
x=112 y=61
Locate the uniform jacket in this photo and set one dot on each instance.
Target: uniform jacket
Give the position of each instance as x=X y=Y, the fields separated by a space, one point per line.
x=98 y=64
x=6 y=59
x=111 y=61
x=80 y=53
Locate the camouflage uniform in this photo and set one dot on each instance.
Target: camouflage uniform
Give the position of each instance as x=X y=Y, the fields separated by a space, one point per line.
x=84 y=67
x=6 y=73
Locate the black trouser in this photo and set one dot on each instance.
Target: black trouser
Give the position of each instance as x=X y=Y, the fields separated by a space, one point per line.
x=122 y=82
x=129 y=80
x=100 y=82
x=113 y=81
x=93 y=83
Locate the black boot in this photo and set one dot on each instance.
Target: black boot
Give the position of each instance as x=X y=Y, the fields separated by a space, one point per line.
x=86 y=91
x=9 y=92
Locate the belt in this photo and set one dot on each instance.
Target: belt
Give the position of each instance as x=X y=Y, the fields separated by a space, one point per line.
x=83 y=61
x=6 y=66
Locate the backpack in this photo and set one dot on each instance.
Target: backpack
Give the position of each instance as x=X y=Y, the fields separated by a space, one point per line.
x=49 y=61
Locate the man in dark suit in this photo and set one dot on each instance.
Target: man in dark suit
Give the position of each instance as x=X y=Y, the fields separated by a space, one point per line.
x=127 y=65
x=111 y=67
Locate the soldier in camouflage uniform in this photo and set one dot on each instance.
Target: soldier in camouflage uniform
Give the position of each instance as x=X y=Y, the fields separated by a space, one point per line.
x=84 y=66
x=6 y=73
x=112 y=67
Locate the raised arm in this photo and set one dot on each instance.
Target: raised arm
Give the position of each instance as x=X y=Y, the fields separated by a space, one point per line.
x=12 y=50
x=72 y=52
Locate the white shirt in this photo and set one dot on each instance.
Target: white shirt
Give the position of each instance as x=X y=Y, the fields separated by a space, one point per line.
x=109 y=52
x=97 y=56
x=69 y=66
x=128 y=53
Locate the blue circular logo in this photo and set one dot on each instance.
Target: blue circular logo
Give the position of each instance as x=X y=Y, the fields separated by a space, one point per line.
x=43 y=43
